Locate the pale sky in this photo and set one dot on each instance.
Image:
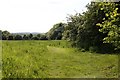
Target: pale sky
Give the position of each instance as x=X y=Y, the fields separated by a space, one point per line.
x=36 y=15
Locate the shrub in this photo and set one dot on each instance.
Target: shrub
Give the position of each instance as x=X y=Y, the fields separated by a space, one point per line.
x=82 y=50
x=93 y=49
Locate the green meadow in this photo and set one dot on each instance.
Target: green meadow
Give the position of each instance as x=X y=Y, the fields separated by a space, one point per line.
x=54 y=59
x=0 y=59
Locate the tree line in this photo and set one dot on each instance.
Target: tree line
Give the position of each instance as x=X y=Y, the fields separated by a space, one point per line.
x=97 y=29
x=5 y=35
x=55 y=33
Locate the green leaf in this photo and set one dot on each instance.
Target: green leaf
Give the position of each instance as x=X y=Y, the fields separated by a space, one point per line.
x=98 y=24
x=107 y=14
x=116 y=9
x=103 y=18
x=101 y=8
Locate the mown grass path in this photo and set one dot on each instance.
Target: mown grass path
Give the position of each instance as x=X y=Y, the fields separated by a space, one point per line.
x=88 y=65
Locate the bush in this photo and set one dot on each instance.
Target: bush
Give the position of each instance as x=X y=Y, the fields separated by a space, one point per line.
x=82 y=50
x=93 y=49
x=106 y=48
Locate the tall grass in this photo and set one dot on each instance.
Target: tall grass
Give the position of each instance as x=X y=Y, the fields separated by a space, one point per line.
x=54 y=59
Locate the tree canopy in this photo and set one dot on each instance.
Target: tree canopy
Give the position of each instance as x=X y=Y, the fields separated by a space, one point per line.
x=55 y=33
x=98 y=28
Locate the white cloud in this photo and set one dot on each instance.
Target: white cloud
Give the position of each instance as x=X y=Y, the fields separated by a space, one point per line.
x=36 y=15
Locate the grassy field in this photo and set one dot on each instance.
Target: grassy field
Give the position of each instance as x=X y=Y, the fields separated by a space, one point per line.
x=0 y=59
x=54 y=59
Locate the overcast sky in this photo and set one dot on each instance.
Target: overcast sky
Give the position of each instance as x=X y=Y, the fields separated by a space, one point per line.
x=36 y=15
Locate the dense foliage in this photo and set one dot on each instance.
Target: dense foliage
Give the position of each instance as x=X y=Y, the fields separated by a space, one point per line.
x=97 y=29
x=111 y=24
x=55 y=33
